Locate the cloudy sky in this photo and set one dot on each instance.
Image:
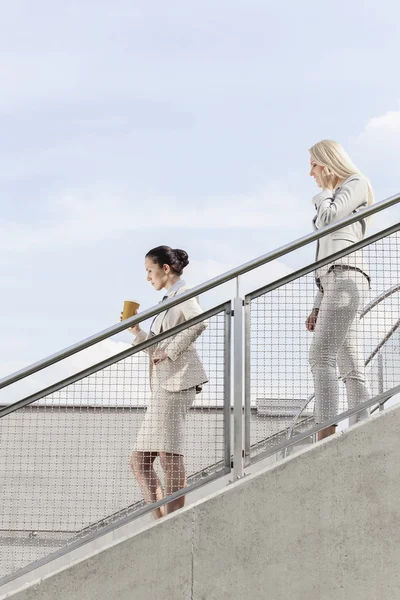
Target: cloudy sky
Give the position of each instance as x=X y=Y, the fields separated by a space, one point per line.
x=127 y=125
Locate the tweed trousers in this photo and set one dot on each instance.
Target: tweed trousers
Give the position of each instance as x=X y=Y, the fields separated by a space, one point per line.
x=337 y=345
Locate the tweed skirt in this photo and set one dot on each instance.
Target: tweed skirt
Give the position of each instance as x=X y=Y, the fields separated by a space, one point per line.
x=164 y=426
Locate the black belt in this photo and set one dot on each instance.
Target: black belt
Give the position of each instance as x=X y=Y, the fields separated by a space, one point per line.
x=342 y=268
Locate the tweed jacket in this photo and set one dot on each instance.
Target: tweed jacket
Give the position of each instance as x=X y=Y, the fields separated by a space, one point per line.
x=349 y=197
x=183 y=368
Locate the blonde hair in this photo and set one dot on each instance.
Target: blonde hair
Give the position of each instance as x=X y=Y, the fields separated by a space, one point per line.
x=328 y=153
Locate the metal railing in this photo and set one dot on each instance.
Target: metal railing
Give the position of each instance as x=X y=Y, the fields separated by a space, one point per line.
x=200 y=289
x=274 y=313
x=58 y=492
x=88 y=421
x=375 y=351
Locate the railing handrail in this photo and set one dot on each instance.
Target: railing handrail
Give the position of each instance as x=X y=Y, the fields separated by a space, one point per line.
x=199 y=289
x=107 y=362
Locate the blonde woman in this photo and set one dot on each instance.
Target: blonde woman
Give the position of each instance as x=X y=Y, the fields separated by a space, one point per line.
x=342 y=285
x=176 y=374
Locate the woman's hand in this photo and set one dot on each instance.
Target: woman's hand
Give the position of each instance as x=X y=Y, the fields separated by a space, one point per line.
x=135 y=330
x=328 y=179
x=311 y=320
x=159 y=355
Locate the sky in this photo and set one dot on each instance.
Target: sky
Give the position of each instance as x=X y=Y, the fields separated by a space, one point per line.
x=128 y=125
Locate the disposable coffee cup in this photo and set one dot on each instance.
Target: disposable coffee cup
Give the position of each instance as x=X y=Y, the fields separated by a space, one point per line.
x=130 y=309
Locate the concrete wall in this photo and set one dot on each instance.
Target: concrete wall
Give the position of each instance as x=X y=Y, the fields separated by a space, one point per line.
x=322 y=525
x=46 y=497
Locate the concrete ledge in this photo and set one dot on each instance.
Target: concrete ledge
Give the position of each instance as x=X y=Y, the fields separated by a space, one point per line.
x=156 y=564
x=321 y=525
x=324 y=524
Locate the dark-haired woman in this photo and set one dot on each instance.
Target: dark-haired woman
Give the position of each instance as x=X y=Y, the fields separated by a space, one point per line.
x=176 y=373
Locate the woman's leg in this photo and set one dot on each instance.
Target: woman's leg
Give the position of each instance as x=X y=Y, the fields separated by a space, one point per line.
x=337 y=312
x=174 y=478
x=144 y=472
x=351 y=362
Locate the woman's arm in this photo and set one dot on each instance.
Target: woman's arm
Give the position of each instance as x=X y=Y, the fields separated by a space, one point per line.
x=141 y=336
x=181 y=341
x=311 y=320
x=352 y=195
x=318 y=299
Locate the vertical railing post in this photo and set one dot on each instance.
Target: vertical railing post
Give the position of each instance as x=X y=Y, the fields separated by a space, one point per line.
x=228 y=385
x=237 y=384
x=247 y=382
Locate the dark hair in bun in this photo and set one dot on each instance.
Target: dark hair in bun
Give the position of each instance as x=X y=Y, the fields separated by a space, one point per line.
x=164 y=255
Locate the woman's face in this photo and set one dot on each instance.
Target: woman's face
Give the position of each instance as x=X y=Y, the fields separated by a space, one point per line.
x=316 y=171
x=155 y=274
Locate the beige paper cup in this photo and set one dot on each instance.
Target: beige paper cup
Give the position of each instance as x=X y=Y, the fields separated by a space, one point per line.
x=130 y=309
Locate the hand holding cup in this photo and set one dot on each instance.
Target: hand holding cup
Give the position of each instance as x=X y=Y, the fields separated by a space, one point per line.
x=130 y=309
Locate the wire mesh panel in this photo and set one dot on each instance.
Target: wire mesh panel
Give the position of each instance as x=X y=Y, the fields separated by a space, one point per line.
x=381 y=324
x=280 y=363
x=390 y=373
x=66 y=465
